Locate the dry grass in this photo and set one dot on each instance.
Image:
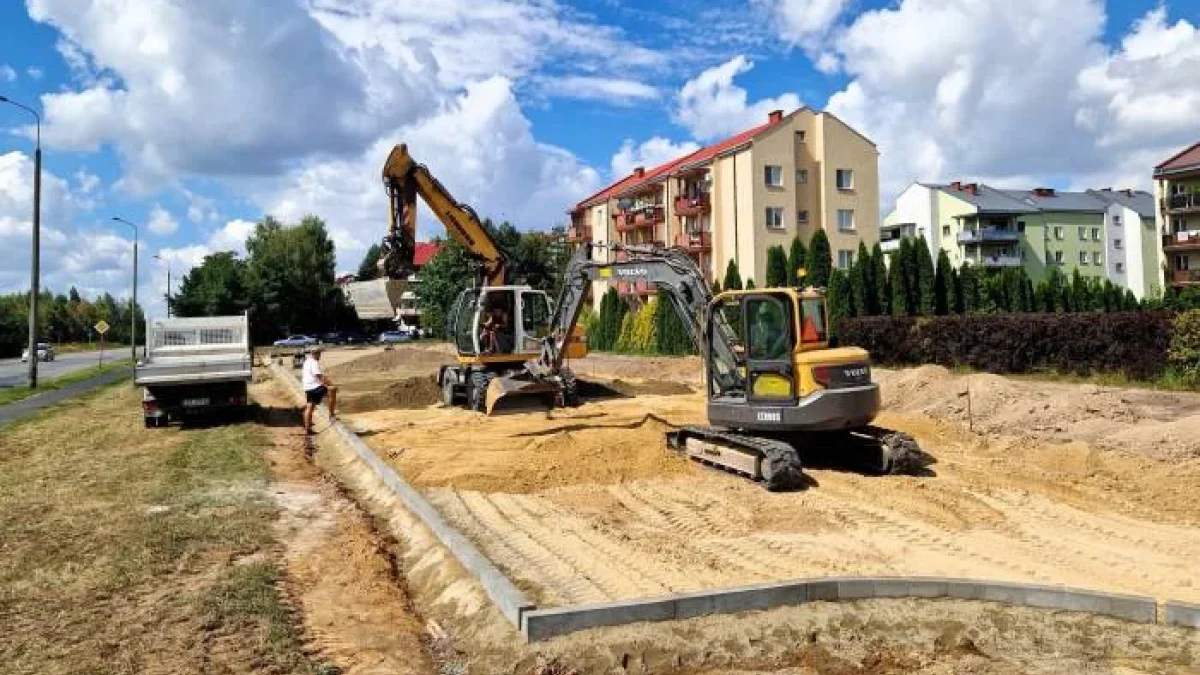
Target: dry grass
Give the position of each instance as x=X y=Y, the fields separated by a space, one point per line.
x=132 y=550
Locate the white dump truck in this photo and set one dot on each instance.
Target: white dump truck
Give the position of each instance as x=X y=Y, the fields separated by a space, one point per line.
x=194 y=366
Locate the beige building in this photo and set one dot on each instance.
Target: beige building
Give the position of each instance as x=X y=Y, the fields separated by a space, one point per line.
x=1177 y=197
x=735 y=199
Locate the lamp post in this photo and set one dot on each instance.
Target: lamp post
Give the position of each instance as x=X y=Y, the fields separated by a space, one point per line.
x=133 y=305
x=168 y=264
x=35 y=263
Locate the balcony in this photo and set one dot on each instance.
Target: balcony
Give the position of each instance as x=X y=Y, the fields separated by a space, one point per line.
x=1187 y=240
x=648 y=216
x=1181 y=203
x=634 y=288
x=1185 y=277
x=1001 y=261
x=694 y=242
x=692 y=206
x=988 y=234
x=579 y=233
x=624 y=221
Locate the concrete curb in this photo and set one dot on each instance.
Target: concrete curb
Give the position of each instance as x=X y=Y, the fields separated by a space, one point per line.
x=507 y=597
x=1182 y=614
x=541 y=624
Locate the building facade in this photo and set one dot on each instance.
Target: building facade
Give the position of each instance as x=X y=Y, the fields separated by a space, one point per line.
x=1177 y=198
x=735 y=199
x=1102 y=233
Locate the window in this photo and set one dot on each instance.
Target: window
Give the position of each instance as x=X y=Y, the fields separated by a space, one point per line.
x=845 y=220
x=535 y=319
x=1116 y=243
x=727 y=369
x=1120 y=267
x=812 y=320
x=945 y=230
x=1020 y=226
x=799 y=136
x=1095 y=234
x=1083 y=234
x=1117 y=220
x=1058 y=257
x=1058 y=232
x=801 y=176
x=1181 y=263
x=773 y=175
x=775 y=217
x=1097 y=258
x=802 y=216
x=845 y=259
x=845 y=179
x=770 y=339
x=1083 y=257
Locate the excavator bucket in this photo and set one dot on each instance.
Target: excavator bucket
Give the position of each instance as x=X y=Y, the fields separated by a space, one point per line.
x=508 y=394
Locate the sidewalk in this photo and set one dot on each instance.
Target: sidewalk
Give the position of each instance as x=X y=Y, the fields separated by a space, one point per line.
x=18 y=409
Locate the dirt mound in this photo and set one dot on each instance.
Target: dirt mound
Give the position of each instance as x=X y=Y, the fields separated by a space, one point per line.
x=412 y=392
x=404 y=358
x=595 y=389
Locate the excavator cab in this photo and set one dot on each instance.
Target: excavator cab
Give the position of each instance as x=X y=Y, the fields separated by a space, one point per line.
x=499 y=324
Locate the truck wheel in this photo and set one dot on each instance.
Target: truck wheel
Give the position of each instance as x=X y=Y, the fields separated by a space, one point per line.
x=477 y=396
x=151 y=422
x=447 y=390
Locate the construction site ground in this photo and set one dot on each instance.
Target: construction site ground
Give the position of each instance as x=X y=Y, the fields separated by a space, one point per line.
x=1040 y=482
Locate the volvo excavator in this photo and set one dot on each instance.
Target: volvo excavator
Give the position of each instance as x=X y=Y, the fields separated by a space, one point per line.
x=774 y=387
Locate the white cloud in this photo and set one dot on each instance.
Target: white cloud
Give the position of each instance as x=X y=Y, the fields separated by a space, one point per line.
x=648 y=154
x=616 y=91
x=481 y=148
x=232 y=236
x=86 y=181
x=34 y=72
x=161 y=222
x=7 y=74
x=808 y=23
x=711 y=105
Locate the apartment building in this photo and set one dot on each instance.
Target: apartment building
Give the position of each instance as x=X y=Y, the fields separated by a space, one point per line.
x=1102 y=233
x=1177 y=196
x=735 y=199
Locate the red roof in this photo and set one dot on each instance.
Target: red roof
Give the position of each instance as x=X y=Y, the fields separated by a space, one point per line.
x=702 y=155
x=1189 y=157
x=424 y=251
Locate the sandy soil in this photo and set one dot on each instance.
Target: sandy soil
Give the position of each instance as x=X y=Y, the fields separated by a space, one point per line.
x=587 y=504
x=355 y=609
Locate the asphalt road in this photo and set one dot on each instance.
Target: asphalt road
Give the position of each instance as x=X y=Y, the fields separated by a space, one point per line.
x=13 y=372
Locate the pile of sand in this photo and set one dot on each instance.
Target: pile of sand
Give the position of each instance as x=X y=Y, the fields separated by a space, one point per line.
x=401 y=359
x=412 y=392
x=1158 y=424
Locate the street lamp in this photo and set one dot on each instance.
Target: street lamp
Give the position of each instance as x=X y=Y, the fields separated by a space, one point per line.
x=35 y=264
x=168 y=264
x=133 y=307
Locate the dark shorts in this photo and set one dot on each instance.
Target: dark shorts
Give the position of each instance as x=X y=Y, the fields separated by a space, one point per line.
x=314 y=396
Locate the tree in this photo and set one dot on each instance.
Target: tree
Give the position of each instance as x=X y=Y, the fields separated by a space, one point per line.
x=819 y=262
x=645 y=328
x=290 y=277
x=673 y=337
x=840 y=299
x=968 y=279
x=925 y=277
x=368 y=269
x=942 y=294
x=750 y=284
x=860 y=282
x=625 y=338
x=777 y=268
x=217 y=287
x=1030 y=297
x=716 y=287
x=733 y=278
x=879 y=276
x=957 y=302
x=1044 y=297
x=1130 y=302
x=797 y=259
x=443 y=278
x=896 y=286
x=1058 y=291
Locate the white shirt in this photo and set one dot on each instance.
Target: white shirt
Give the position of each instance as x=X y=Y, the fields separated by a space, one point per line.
x=310 y=374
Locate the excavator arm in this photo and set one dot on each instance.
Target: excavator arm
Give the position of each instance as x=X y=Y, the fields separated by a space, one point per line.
x=405 y=179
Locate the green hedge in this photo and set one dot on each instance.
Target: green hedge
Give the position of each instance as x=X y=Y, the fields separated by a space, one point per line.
x=1134 y=344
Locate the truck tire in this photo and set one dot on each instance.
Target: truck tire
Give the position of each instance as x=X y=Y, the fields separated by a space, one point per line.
x=477 y=394
x=447 y=390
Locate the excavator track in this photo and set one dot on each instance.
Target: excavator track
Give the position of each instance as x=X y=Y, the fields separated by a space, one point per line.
x=773 y=462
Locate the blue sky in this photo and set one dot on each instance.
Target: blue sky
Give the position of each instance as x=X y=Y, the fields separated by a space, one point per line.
x=197 y=118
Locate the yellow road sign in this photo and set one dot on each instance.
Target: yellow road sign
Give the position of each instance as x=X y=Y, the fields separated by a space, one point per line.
x=101 y=326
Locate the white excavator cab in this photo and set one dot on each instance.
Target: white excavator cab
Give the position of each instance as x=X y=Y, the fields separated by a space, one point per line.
x=495 y=324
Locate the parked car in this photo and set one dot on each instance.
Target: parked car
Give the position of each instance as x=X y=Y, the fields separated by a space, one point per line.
x=336 y=337
x=357 y=339
x=296 y=341
x=391 y=337
x=45 y=352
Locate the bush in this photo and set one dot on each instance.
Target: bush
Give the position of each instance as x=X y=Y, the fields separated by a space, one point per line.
x=625 y=335
x=645 y=329
x=1184 y=352
x=1131 y=343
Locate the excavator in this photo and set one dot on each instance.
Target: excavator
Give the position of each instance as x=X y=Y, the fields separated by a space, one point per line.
x=774 y=386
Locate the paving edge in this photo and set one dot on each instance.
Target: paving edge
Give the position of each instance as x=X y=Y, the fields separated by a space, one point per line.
x=511 y=602
x=541 y=624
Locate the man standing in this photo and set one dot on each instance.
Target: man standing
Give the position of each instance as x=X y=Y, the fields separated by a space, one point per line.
x=316 y=385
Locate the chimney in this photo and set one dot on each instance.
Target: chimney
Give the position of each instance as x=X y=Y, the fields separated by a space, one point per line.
x=956 y=185
x=775 y=117
x=973 y=188
x=1043 y=192
x=639 y=172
